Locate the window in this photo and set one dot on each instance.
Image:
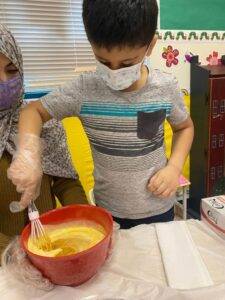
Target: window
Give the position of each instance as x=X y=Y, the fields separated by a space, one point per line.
x=213 y=173
x=222 y=106
x=221 y=140
x=215 y=107
x=220 y=171
x=52 y=39
x=214 y=141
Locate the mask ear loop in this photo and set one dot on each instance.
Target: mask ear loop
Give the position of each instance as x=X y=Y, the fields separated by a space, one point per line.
x=145 y=60
x=145 y=56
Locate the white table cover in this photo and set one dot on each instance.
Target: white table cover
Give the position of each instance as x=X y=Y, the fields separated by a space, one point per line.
x=136 y=272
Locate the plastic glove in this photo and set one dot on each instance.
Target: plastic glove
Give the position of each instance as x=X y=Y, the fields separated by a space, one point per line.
x=114 y=237
x=26 y=171
x=17 y=265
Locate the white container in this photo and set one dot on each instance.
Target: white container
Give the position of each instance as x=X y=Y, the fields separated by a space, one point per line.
x=213 y=213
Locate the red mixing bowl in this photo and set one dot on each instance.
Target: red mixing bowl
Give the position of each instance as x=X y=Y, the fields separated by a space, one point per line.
x=73 y=269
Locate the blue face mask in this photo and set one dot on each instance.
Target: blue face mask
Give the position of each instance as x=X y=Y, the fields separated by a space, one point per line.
x=10 y=91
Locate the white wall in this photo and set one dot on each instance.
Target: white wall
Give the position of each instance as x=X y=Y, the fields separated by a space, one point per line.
x=182 y=70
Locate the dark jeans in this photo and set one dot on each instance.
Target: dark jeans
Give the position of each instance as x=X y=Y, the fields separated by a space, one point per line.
x=128 y=223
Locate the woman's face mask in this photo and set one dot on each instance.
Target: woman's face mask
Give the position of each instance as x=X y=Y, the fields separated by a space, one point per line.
x=10 y=91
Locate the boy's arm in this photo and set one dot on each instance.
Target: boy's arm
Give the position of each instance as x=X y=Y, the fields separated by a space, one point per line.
x=183 y=135
x=64 y=101
x=165 y=182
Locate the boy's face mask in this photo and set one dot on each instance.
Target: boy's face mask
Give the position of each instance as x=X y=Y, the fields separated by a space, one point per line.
x=10 y=92
x=122 y=78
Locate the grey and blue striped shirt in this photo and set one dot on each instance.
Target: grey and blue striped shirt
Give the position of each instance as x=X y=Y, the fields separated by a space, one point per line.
x=126 y=134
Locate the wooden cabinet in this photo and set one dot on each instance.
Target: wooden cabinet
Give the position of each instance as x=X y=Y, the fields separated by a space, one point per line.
x=207 y=158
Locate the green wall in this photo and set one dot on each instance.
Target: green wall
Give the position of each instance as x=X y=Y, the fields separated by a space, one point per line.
x=192 y=15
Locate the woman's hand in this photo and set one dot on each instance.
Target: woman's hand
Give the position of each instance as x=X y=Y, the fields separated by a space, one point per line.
x=25 y=171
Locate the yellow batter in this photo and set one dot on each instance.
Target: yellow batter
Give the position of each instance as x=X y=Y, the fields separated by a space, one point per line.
x=69 y=238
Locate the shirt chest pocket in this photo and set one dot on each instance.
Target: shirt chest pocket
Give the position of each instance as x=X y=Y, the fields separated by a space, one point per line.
x=148 y=123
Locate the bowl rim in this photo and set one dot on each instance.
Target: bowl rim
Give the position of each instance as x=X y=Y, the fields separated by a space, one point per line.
x=70 y=256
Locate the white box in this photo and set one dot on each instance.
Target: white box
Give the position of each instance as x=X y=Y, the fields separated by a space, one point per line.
x=213 y=213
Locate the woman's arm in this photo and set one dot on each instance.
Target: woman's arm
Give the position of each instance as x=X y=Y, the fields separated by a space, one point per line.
x=32 y=118
x=26 y=168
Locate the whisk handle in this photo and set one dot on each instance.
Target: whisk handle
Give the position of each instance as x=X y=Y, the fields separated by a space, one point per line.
x=32 y=211
x=33 y=215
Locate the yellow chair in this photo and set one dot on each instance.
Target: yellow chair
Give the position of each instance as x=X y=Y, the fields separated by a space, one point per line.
x=80 y=152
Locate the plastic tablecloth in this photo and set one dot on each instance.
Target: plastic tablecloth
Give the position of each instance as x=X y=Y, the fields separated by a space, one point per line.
x=135 y=271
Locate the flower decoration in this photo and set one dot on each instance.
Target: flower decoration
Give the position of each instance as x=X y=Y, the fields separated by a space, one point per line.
x=170 y=55
x=188 y=56
x=213 y=59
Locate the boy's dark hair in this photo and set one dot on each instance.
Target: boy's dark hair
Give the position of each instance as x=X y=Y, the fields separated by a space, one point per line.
x=118 y=23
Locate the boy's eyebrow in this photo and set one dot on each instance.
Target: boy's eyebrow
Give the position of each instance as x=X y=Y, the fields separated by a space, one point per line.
x=125 y=60
x=129 y=59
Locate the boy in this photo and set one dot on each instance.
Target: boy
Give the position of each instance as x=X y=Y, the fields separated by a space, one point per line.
x=122 y=106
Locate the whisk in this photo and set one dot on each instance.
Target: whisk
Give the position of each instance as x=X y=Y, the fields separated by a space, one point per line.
x=38 y=234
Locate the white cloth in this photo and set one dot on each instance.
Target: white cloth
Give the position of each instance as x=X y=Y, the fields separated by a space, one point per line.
x=182 y=261
x=135 y=271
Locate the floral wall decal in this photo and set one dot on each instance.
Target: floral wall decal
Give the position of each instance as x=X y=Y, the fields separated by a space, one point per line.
x=214 y=59
x=170 y=55
x=188 y=56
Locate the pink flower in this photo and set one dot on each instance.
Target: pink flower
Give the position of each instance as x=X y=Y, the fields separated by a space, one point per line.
x=213 y=59
x=170 y=55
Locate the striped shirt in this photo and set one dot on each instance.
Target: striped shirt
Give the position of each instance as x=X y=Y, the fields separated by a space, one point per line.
x=126 y=134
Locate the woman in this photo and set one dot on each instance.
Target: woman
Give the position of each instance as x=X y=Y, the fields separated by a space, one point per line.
x=60 y=179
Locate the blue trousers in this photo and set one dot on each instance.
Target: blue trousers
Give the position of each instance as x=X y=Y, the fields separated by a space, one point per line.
x=128 y=223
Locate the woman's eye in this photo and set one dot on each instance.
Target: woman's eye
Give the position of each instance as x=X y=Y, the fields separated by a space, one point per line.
x=12 y=71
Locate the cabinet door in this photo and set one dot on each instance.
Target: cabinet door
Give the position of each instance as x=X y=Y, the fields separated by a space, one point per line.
x=216 y=158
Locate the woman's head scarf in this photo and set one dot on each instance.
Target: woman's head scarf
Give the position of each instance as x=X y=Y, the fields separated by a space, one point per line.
x=56 y=159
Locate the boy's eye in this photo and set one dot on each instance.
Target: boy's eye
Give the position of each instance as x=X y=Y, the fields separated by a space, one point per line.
x=123 y=65
x=126 y=65
x=105 y=63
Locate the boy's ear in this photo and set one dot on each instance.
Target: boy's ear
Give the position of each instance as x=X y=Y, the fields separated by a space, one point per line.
x=152 y=45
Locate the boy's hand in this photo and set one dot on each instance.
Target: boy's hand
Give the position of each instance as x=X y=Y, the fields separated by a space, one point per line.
x=165 y=182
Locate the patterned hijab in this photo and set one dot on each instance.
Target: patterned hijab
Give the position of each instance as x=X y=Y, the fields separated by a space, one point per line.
x=56 y=159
